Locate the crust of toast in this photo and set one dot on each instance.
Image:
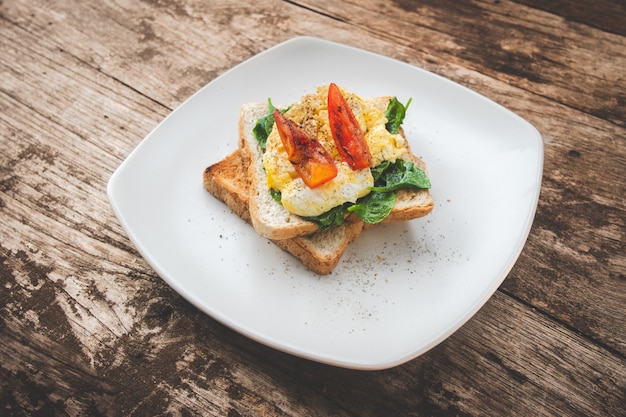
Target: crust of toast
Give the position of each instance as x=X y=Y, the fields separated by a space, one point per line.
x=275 y=222
x=225 y=182
x=320 y=252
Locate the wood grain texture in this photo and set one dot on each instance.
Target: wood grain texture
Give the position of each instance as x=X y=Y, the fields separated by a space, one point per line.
x=88 y=328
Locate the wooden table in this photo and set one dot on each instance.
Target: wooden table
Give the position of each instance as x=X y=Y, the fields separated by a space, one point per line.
x=88 y=328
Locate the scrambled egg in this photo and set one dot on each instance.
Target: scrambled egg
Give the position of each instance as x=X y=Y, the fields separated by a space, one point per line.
x=311 y=113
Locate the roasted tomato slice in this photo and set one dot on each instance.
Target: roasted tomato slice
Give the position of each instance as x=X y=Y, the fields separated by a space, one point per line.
x=346 y=132
x=310 y=159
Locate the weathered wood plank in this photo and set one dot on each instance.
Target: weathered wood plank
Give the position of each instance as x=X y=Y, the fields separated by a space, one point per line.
x=467 y=375
x=87 y=328
x=177 y=360
x=537 y=51
x=532 y=50
x=576 y=249
x=607 y=15
x=596 y=142
x=541 y=52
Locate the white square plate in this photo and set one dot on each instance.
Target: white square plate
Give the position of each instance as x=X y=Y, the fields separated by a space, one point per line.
x=401 y=288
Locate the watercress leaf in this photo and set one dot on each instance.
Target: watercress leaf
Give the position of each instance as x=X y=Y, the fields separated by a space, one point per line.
x=395 y=114
x=401 y=174
x=374 y=207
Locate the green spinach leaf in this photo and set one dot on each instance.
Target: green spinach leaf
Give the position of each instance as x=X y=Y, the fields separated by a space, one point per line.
x=395 y=114
x=263 y=126
x=378 y=170
x=276 y=195
x=401 y=174
x=374 y=207
x=333 y=217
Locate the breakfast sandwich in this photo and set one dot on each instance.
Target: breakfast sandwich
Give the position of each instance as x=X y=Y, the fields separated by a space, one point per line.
x=312 y=175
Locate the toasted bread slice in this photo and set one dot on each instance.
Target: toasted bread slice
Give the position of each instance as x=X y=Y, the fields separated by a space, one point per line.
x=226 y=182
x=269 y=218
x=274 y=221
x=320 y=252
